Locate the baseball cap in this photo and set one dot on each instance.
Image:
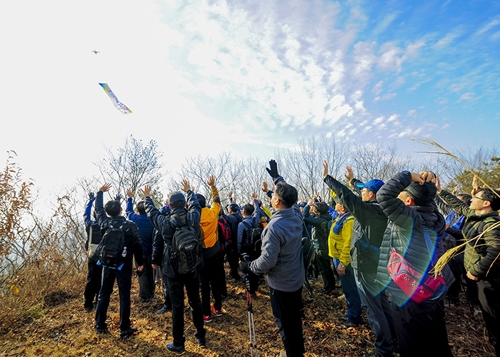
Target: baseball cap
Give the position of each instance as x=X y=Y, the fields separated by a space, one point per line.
x=372 y=185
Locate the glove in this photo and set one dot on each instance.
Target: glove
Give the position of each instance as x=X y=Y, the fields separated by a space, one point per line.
x=245 y=266
x=91 y=196
x=118 y=197
x=273 y=171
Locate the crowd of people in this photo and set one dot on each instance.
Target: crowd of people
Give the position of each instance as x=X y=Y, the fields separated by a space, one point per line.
x=380 y=240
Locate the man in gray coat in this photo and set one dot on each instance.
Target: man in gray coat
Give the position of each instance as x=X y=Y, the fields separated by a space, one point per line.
x=282 y=260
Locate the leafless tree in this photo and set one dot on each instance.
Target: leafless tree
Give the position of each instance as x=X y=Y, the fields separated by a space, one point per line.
x=303 y=167
x=377 y=161
x=132 y=166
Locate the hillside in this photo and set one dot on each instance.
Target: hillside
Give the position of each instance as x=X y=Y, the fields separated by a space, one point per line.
x=66 y=329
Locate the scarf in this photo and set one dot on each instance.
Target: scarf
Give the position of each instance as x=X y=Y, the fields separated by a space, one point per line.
x=340 y=223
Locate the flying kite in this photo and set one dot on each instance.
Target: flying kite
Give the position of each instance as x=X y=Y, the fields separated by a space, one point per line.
x=95 y=51
x=118 y=105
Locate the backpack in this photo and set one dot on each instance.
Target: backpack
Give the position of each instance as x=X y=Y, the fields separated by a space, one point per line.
x=94 y=238
x=112 y=251
x=224 y=232
x=186 y=248
x=252 y=242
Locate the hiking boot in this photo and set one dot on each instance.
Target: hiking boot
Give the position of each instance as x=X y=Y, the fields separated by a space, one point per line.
x=163 y=309
x=127 y=333
x=207 y=319
x=102 y=331
x=348 y=324
x=202 y=342
x=215 y=311
x=327 y=291
x=175 y=349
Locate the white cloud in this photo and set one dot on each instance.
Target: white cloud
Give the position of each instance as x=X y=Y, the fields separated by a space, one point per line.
x=467 y=96
x=492 y=24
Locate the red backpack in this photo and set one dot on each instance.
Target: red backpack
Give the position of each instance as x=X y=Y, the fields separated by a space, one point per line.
x=224 y=232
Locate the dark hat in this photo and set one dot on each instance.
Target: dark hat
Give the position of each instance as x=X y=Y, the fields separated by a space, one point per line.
x=424 y=194
x=322 y=207
x=372 y=185
x=177 y=199
x=234 y=207
x=202 y=200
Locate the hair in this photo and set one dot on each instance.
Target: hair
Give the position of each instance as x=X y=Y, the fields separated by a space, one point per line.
x=248 y=209
x=465 y=197
x=113 y=208
x=492 y=196
x=202 y=200
x=140 y=207
x=287 y=194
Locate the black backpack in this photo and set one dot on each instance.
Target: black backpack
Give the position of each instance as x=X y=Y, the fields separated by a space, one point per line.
x=186 y=248
x=252 y=241
x=112 y=251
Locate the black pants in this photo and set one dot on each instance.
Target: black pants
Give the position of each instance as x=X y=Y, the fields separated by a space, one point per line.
x=212 y=278
x=286 y=308
x=146 y=280
x=124 y=282
x=93 y=285
x=489 y=299
x=325 y=269
x=233 y=259
x=176 y=289
x=421 y=329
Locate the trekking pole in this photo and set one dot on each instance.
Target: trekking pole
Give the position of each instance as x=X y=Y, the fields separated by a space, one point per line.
x=251 y=324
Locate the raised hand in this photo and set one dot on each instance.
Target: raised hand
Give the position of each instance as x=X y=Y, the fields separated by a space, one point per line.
x=349 y=174
x=105 y=187
x=130 y=193
x=146 y=191
x=186 y=186
x=273 y=171
x=211 y=181
x=325 y=168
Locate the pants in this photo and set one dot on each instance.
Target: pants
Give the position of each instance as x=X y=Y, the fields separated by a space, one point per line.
x=378 y=312
x=176 y=289
x=351 y=293
x=93 y=285
x=146 y=280
x=286 y=308
x=232 y=259
x=211 y=279
x=325 y=269
x=124 y=282
x=164 y=287
x=489 y=299
x=421 y=329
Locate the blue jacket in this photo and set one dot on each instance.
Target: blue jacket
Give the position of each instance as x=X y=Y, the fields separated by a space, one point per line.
x=145 y=227
x=252 y=221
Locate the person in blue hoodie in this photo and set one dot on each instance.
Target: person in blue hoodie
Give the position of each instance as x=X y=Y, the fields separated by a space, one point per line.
x=141 y=219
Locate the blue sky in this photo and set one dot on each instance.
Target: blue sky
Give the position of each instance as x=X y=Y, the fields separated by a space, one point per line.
x=246 y=76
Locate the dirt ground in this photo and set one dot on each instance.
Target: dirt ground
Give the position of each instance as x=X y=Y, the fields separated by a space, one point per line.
x=67 y=329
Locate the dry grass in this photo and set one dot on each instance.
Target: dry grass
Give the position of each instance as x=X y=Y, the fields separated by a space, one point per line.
x=57 y=325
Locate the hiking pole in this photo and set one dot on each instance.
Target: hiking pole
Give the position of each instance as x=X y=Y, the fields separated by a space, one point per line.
x=251 y=324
